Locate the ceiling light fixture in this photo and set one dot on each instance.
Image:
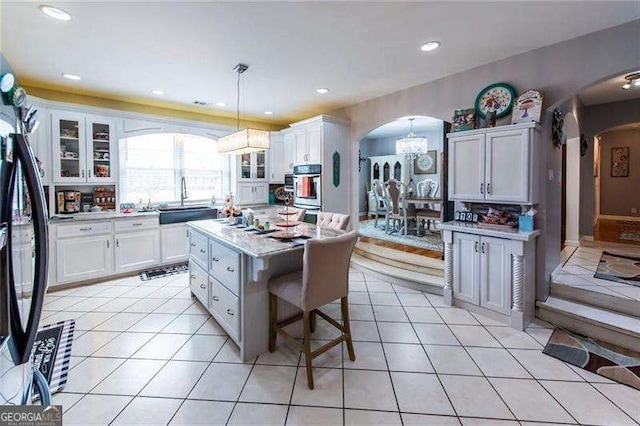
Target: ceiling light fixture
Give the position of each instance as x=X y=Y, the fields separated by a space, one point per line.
x=221 y=104
x=71 y=76
x=157 y=92
x=246 y=140
x=412 y=145
x=430 y=46
x=55 y=13
x=322 y=90
x=632 y=80
x=268 y=113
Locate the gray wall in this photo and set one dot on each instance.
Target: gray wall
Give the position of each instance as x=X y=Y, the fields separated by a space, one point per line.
x=618 y=195
x=559 y=70
x=387 y=146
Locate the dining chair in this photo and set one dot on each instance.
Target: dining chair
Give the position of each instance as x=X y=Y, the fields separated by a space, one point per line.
x=333 y=220
x=381 y=200
x=429 y=213
x=300 y=215
x=323 y=279
x=398 y=211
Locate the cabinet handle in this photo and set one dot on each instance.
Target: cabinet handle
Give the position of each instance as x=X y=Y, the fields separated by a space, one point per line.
x=187 y=233
x=230 y=312
x=193 y=277
x=215 y=259
x=82 y=173
x=89 y=173
x=483 y=247
x=475 y=246
x=202 y=286
x=202 y=251
x=136 y=224
x=193 y=244
x=482 y=188
x=86 y=229
x=230 y=269
x=489 y=188
x=107 y=243
x=215 y=298
x=117 y=243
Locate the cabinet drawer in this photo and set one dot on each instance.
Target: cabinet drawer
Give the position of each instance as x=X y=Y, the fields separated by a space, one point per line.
x=198 y=247
x=81 y=229
x=227 y=306
x=136 y=224
x=225 y=266
x=199 y=283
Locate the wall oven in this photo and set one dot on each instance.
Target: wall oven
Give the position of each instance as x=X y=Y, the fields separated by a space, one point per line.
x=288 y=182
x=307 y=182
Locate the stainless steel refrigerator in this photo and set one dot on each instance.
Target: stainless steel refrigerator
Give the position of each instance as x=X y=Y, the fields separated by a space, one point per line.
x=23 y=244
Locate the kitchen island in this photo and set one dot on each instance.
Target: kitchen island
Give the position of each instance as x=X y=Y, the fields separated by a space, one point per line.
x=229 y=270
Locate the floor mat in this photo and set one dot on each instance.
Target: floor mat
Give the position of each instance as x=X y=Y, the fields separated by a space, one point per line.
x=431 y=241
x=629 y=235
x=619 y=268
x=52 y=353
x=618 y=364
x=163 y=272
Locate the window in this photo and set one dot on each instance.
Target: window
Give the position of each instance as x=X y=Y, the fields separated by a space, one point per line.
x=152 y=167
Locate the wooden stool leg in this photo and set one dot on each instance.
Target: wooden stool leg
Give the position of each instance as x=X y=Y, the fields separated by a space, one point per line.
x=313 y=317
x=273 y=321
x=307 y=347
x=344 y=303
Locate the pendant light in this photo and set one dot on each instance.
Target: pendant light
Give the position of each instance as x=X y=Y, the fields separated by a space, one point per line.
x=246 y=140
x=411 y=145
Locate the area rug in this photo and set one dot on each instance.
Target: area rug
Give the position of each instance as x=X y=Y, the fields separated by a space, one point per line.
x=619 y=268
x=618 y=364
x=629 y=235
x=52 y=353
x=152 y=274
x=431 y=241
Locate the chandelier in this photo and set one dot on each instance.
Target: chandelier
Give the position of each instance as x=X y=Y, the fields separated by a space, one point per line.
x=246 y=140
x=411 y=145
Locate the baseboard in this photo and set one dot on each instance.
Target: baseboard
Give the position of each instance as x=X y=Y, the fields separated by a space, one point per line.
x=572 y=243
x=587 y=238
x=613 y=217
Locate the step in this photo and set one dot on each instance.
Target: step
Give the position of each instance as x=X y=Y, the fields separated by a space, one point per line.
x=599 y=299
x=400 y=259
x=416 y=280
x=596 y=323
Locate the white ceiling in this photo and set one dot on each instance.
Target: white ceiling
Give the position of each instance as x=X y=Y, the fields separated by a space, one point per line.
x=402 y=126
x=608 y=91
x=360 y=50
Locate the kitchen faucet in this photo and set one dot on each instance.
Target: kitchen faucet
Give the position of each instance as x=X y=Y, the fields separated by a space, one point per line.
x=183 y=191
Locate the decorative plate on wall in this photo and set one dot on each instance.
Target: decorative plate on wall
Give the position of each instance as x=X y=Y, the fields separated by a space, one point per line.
x=426 y=163
x=497 y=97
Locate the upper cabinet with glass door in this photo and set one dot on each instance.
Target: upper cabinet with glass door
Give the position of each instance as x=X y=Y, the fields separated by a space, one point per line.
x=84 y=148
x=252 y=167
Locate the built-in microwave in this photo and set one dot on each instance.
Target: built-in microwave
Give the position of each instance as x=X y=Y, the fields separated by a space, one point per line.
x=288 y=182
x=307 y=182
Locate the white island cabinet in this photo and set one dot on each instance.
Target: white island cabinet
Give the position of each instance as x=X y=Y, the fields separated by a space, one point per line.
x=491 y=272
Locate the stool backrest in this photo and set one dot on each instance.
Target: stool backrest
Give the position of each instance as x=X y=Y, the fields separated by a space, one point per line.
x=325 y=275
x=333 y=220
x=300 y=215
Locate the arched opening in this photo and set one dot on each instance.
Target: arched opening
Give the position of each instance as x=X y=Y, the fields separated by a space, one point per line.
x=570 y=235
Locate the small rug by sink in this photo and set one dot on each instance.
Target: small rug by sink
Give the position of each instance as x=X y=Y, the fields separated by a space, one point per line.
x=152 y=274
x=52 y=354
x=618 y=364
x=619 y=268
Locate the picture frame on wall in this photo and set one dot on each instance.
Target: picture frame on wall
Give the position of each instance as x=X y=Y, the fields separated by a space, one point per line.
x=527 y=108
x=464 y=119
x=426 y=164
x=620 y=162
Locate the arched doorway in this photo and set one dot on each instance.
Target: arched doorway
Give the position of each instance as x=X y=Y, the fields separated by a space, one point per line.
x=570 y=235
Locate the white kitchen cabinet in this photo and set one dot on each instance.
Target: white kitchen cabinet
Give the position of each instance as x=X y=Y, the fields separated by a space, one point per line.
x=289 y=156
x=137 y=250
x=102 y=150
x=496 y=165
x=174 y=243
x=85 y=257
x=466 y=268
x=252 y=193
x=277 y=165
x=252 y=167
x=495 y=274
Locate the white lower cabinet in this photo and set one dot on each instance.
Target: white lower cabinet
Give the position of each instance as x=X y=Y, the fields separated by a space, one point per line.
x=175 y=243
x=137 y=250
x=252 y=193
x=199 y=282
x=482 y=271
x=225 y=306
x=82 y=258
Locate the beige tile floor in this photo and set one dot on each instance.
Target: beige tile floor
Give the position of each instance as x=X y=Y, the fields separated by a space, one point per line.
x=148 y=353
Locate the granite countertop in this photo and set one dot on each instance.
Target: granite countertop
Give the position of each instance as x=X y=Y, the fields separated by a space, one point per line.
x=96 y=216
x=254 y=244
x=472 y=228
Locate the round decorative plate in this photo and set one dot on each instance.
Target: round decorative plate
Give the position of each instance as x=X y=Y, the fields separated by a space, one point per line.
x=280 y=193
x=424 y=162
x=497 y=97
x=287 y=224
x=285 y=235
x=287 y=212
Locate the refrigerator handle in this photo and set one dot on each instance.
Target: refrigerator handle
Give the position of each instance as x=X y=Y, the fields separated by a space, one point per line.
x=24 y=339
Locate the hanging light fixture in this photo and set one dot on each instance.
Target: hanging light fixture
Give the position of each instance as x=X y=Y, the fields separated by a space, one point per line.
x=246 y=140
x=411 y=145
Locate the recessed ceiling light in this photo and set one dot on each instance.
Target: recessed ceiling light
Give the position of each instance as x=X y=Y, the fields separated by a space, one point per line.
x=626 y=86
x=636 y=82
x=71 y=76
x=429 y=46
x=322 y=90
x=55 y=13
x=268 y=113
x=221 y=104
x=157 y=92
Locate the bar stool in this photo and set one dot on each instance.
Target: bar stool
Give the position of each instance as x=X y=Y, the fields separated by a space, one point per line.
x=323 y=279
x=333 y=220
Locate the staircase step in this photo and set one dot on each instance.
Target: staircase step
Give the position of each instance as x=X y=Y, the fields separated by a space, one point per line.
x=597 y=323
x=590 y=296
x=417 y=280
x=400 y=259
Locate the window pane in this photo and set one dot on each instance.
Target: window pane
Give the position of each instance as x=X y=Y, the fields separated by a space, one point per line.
x=202 y=167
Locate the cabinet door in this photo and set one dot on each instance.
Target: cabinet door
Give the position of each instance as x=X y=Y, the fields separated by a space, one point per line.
x=301 y=145
x=69 y=147
x=199 y=283
x=175 y=243
x=277 y=162
x=507 y=166
x=466 y=167
x=137 y=250
x=466 y=267
x=102 y=151
x=245 y=193
x=84 y=258
x=289 y=156
x=245 y=167
x=261 y=193
x=260 y=165
x=315 y=144
x=495 y=274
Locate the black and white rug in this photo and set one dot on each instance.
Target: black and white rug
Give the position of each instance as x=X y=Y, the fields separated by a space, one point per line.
x=52 y=353
x=152 y=274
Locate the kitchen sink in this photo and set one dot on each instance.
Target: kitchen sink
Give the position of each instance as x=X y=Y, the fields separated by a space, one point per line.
x=181 y=214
